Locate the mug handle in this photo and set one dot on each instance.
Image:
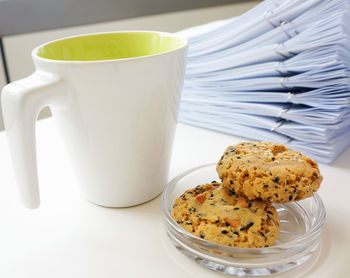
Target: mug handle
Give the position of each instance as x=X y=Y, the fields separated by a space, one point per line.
x=22 y=101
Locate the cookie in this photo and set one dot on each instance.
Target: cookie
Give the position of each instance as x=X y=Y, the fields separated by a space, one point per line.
x=213 y=213
x=268 y=171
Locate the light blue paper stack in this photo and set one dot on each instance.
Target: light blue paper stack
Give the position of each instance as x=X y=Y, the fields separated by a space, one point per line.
x=280 y=72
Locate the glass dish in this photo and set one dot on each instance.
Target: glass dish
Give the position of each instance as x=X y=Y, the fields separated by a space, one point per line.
x=301 y=226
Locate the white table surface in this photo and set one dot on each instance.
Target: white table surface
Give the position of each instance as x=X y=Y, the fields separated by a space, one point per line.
x=69 y=237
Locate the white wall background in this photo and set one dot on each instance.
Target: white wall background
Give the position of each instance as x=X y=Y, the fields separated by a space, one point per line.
x=2 y=84
x=2 y=75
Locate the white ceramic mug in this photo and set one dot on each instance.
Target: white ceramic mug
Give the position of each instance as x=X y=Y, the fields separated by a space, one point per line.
x=114 y=98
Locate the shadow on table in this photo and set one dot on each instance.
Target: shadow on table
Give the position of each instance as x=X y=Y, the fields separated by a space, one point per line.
x=343 y=160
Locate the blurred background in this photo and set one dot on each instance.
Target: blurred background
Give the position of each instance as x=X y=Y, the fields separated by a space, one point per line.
x=28 y=23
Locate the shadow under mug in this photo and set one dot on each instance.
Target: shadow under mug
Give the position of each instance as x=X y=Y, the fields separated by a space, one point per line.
x=114 y=98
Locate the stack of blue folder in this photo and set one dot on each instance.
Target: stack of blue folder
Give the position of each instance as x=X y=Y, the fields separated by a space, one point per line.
x=280 y=72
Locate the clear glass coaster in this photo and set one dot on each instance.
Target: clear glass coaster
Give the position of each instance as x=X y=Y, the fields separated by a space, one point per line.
x=301 y=226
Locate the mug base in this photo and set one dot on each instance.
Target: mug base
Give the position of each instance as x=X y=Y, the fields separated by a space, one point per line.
x=125 y=204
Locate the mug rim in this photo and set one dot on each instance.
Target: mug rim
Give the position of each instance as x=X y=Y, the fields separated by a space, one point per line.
x=35 y=51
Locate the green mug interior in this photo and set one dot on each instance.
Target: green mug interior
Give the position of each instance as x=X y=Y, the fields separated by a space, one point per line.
x=110 y=46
